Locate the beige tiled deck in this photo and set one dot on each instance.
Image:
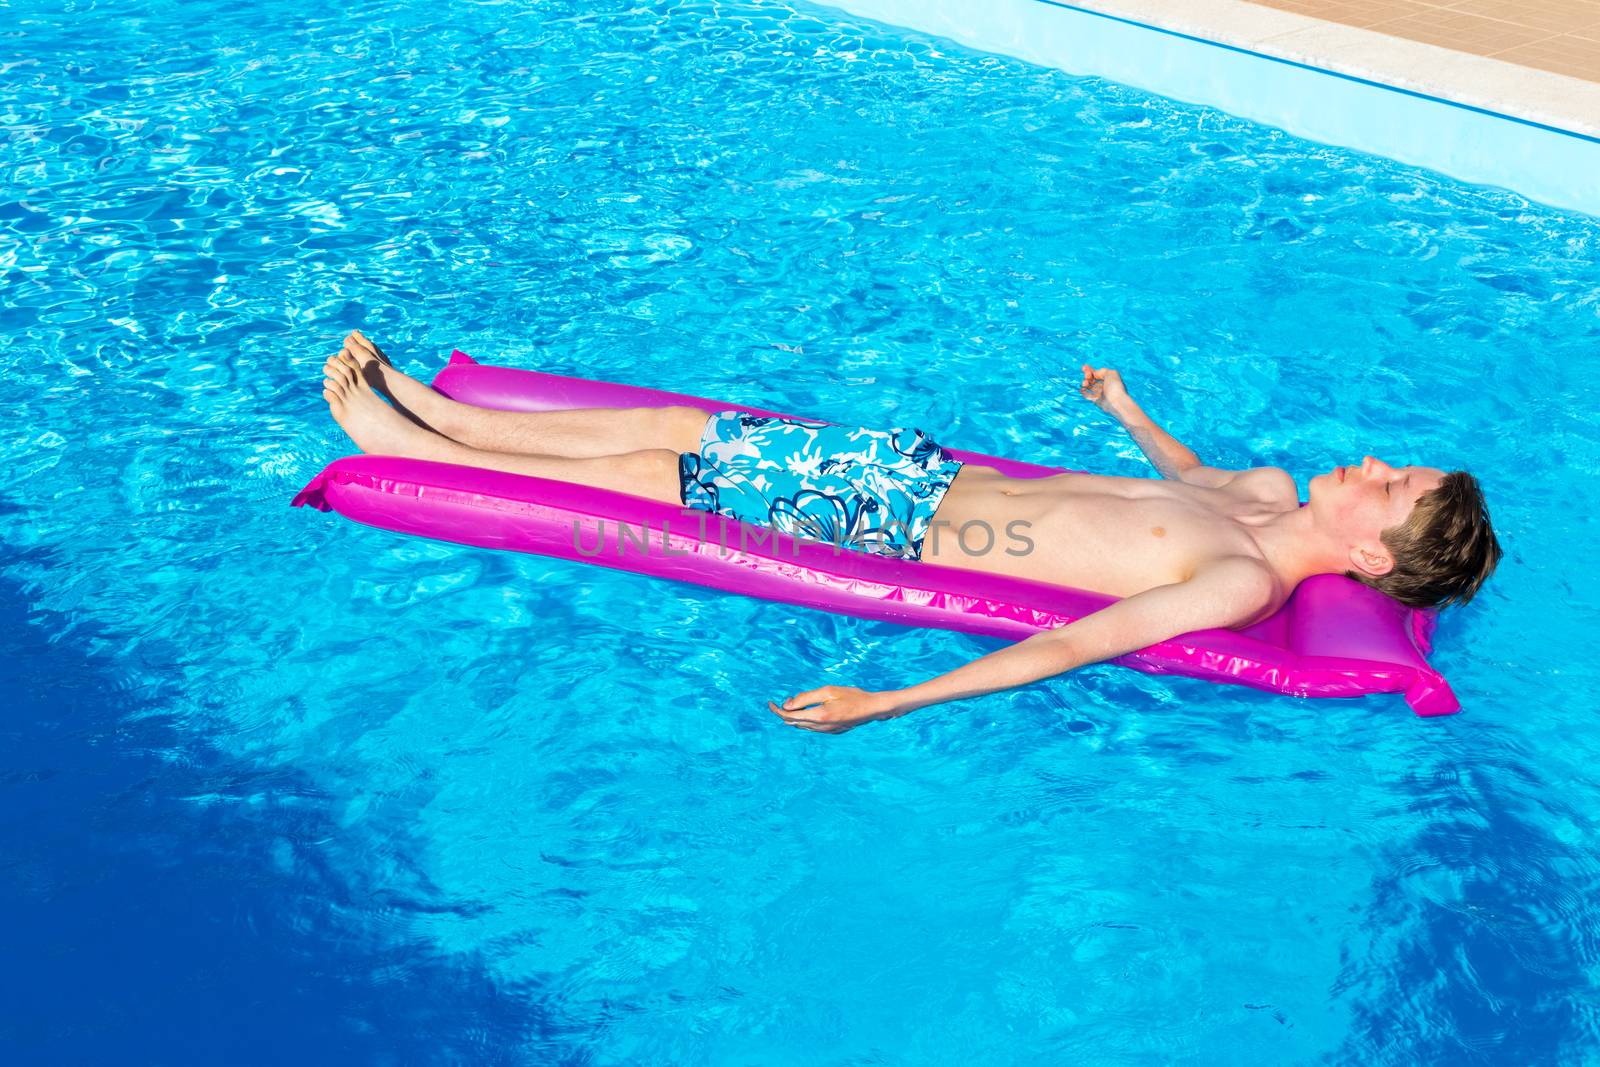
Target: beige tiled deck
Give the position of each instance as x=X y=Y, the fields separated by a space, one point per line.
x=1536 y=60
x=1491 y=107
x=1560 y=36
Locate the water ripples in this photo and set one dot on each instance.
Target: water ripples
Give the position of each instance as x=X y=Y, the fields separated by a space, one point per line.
x=568 y=775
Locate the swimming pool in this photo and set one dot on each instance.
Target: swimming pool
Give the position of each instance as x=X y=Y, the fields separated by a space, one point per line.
x=276 y=786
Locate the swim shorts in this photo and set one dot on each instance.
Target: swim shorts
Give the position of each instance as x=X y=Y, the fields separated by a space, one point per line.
x=870 y=490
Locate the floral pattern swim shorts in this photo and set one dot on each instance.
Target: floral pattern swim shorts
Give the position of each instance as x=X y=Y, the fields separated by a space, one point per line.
x=870 y=490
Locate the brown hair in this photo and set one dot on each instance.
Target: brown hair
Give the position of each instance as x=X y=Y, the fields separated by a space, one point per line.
x=1444 y=550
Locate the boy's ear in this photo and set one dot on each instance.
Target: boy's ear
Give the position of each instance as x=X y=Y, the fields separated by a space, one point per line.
x=1375 y=563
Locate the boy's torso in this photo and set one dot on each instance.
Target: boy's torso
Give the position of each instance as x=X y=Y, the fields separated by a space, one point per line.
x=1106 y=534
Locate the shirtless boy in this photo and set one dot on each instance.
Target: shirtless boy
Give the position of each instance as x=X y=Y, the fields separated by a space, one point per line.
x=1200 y=548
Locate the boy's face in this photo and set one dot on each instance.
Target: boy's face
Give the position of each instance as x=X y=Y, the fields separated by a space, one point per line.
x=1357 y=503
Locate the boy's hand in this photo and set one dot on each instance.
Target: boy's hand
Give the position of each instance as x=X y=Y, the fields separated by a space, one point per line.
x=1103 y=387
x=833 y=709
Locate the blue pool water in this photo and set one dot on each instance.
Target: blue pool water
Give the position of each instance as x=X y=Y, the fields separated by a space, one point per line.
x=278 y=788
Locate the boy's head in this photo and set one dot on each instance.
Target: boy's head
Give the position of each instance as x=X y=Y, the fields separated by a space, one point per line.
x=1417 y=534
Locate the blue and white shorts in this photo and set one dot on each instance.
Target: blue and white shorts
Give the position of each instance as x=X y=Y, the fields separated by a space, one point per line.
x=870 y=490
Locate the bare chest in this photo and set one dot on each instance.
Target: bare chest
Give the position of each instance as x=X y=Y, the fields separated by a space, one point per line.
x=1117 y=536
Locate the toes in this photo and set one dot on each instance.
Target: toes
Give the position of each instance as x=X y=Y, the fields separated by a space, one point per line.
x=365 y=342
x=361 y=351
x=356 y=350
x=353 y=370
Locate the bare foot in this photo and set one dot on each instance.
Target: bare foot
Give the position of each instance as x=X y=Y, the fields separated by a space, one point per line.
x=374 y=426
x=411 y=398
x=368 y=355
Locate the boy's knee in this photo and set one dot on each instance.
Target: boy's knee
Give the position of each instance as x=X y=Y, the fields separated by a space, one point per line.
x=648 y=472
x=658 y=462
x=681 y=427
x=661 y=472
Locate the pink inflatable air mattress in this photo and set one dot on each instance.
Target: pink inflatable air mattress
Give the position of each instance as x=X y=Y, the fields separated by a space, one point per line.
x=1334 y=637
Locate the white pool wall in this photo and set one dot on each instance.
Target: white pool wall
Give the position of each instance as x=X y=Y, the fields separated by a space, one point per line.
x=1556 y=166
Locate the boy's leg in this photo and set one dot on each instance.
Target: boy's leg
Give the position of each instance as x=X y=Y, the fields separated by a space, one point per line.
x=377 y=428
x=580 y=432
x=652 y=473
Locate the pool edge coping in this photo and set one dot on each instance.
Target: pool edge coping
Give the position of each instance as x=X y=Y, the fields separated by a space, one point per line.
x=1546 y=155
x=1558 y=103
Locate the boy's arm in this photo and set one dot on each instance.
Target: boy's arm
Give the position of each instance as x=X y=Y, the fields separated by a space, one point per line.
x=1166 y=453
x=1169 y=456
x=1229 y=592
